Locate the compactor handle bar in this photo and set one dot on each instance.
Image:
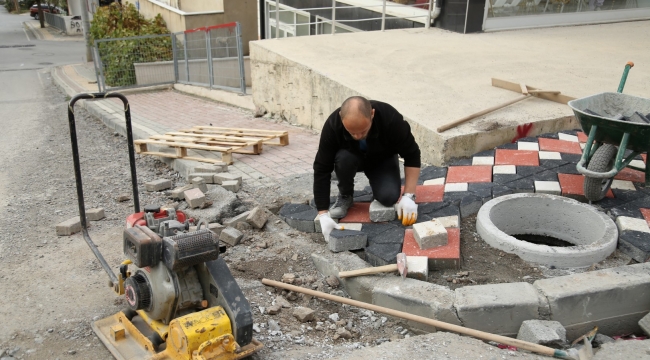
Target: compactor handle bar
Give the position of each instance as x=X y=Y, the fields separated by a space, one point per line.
x=77 y=169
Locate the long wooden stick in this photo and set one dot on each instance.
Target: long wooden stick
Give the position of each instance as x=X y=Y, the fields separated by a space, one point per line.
x=540 y=349
x=368 y=271
x=453 y=124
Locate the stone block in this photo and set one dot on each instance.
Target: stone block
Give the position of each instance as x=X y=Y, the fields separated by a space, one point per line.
x=381 y=213
x=199 y=183
x=416 y=297
x=343 y=240
x=358 y=287
x=543 y=332
x=257 y=217
x=430 y=234
x=194 y=197
x=635 y=244
x=231 y=185
x=380 y=254
x=499 y=308
x=69 y=227
x=237 y=219
x=210 y=168
x=207 y=176
x=158 y=185
x=449 y=221
x=303 y=314
x=231 y=236
x=644 y=323
x=302 y=221
x=179 y=192
x=221 y=177
x=95 y=214
x=216 y=228
x=441 y=257
x=625 y=223
x=469 y=205
x=612 y=299
x=417 y=267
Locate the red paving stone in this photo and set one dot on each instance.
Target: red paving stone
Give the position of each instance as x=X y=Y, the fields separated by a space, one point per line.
x=563 y=146
x=631 y=175
x=582 y=137
x=516 y=157
x=441 y=257
x=573 y=184
x=358 y=213
x=646 y=214
x=645 y=157
x=428 y=193
x=469 y=174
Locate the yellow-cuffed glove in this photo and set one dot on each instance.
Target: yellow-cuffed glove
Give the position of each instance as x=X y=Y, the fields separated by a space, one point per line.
x=407 y=211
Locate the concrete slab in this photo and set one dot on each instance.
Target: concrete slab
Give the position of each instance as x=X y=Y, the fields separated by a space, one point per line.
x=441 y=78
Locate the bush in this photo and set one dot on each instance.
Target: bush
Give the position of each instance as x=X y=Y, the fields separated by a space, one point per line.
x=118 y=56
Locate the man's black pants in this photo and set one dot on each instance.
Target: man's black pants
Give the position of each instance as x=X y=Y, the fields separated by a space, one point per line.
x=383 y=175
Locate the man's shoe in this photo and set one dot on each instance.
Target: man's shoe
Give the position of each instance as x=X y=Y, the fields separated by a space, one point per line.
x=341 y=206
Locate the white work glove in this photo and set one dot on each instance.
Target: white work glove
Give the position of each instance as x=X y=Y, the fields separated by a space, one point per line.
x=327 y=225
x=407 y=211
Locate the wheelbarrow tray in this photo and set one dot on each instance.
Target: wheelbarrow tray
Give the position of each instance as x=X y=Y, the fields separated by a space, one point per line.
x=610 y=131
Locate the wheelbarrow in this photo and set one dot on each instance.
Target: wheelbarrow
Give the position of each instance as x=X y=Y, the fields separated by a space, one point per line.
x=610 y=137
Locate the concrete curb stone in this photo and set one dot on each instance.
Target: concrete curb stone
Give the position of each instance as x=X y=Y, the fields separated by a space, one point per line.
x=635 y=244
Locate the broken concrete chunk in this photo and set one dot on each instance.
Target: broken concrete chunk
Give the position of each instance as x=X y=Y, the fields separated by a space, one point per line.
x=288 y=278
x=95 y=214
x=542 y=332
x=221 y=177
x=179 y=192
x=231 y=185
x=303 y=314
x=343 y=240
x=274 y=309
x=194 y=198
x=231 y=236
x=158 y=185
x=123 y=197
x=430 y=234
x=207 y=176
x=282 y=302
x=216 y=228
x=342 y=333
x=257 y=217
x=199 y=183
x=68 y=227
x=381 y=213
x=237 y=219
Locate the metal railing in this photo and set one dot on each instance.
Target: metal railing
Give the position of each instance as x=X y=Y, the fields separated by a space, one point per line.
x=55 y=21
x=210 y=56
x=284 y=21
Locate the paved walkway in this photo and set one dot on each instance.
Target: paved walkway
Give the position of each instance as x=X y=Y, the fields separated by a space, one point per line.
x=159 y=112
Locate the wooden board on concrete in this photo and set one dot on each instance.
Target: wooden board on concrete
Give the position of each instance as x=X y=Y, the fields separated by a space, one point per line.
x=516 y=87
x=265 y=135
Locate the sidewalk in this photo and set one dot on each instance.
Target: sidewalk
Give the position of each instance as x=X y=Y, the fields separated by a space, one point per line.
x=48 y=32
x=158 y=112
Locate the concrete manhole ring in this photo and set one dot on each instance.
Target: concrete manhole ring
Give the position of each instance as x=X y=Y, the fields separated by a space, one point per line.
x=593 y=233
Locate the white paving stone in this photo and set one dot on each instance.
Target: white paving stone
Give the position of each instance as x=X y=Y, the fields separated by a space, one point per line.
x=550 y=155
x=483 y=160
x=449 y=221
x=504 y=169
x=548 y=187
x=526 y=145
x=451 y=187
x=438 y=181
x=638 y=163
x=352 y=226
x=629 y=223
x=568 y=137
x=582 y=145
x=623 y=185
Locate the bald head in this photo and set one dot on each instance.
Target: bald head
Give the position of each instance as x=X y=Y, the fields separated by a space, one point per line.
x=356 y=115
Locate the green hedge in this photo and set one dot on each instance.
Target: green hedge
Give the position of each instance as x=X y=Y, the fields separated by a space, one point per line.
x=118 y=56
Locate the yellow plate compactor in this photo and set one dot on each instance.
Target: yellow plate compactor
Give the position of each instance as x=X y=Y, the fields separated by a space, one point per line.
x=183 y=302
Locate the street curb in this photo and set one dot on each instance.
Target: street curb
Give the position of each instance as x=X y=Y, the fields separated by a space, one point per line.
x=613 y=299
x=35 y=33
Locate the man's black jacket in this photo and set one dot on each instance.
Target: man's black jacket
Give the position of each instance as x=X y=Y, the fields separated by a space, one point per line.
x=389 y=135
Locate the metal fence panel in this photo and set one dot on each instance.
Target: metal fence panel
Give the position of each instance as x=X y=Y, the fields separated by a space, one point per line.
x=135 y=61
x=55 y=21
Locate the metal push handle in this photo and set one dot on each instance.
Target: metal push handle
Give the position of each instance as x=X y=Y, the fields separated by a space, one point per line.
x=77 y=170
x=621 y=85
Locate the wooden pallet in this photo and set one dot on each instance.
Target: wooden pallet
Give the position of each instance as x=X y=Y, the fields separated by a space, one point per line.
x=266 y=136
x=237 y=145
x=181 y=150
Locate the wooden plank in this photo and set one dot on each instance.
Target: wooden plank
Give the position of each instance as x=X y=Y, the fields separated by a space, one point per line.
x=282 y=136
x=226 y=159
x=193 y=140
x=185 y=145
x=558 y=98
x=213 y=136
x=524 y=89
x=241 y=130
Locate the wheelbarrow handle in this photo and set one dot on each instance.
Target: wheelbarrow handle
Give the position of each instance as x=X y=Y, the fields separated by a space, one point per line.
x=628 y=66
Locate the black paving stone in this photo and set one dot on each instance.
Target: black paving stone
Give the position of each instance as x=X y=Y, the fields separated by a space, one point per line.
x=551 y=164
x=570 y=132
x=470 y=205
x=528 y=139
x=631 y=208
x=485 y=153
x=462 y=162
x=503 y=179
x=526 y=171
x=635 y=244
x=621 y=197
x=550 y=136
x=431 y=172
x=384 y=233
x=382 y=254
x=566 y=169
x=572 y=158
x=510 y=146
x=526 y=185
x=500 y=190
x=455 y=197
x=290 y=208
x=548 y=175
x=482 y=190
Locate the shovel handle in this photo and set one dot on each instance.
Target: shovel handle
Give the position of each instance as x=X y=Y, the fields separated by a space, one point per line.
x=368 y=271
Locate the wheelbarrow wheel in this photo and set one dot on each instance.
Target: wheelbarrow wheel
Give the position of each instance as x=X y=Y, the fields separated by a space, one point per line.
x=602 y=161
